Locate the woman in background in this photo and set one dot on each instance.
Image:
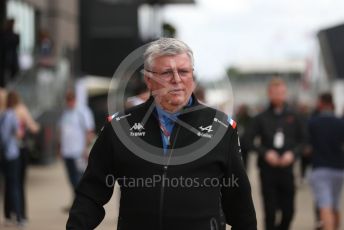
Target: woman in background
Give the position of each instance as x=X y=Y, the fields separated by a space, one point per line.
x=27 y=125
x=10 y=136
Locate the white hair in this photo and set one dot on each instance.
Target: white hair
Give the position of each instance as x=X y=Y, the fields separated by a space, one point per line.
x=165 y=47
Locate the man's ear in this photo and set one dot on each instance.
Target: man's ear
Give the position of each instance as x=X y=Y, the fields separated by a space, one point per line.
x=148 y=82
x=194 y=85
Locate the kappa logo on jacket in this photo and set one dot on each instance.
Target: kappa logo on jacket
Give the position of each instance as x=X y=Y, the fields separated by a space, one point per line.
x=138 y=127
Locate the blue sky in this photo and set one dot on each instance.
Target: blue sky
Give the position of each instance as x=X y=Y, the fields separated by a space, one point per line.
x=225 y=32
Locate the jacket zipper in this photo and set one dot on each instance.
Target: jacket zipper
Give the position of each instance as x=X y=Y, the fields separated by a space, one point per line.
x=162 y=191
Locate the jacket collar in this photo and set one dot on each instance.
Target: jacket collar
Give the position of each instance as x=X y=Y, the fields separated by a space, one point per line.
x=185 y=137
x=272 y=109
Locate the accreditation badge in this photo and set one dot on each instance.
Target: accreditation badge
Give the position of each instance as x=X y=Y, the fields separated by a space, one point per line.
x=279 y=139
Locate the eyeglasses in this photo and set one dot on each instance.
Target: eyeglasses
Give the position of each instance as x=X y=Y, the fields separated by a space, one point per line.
x=169 y=74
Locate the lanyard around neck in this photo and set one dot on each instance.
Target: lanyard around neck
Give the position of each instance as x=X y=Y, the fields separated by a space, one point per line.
x=166 y=133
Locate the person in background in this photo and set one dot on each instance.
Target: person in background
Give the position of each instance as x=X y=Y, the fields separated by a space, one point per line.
x=306 y=155
x=76 y=129
x=10 y=133
x=281 y=135
x=327 y=177
x=10 y=51
x=27 y=125
x=243 y=118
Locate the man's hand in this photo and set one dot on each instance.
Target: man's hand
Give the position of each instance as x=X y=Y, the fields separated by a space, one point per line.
x=272 y=158
x=287 y=159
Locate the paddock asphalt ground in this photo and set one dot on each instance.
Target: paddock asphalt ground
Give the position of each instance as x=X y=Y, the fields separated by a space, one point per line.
x=48 y=193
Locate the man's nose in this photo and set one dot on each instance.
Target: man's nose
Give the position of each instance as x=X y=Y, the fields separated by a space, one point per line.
x=176 y=76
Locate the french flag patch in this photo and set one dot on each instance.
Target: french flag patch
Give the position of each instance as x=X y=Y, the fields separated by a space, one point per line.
x=232 y=122
x=111 y=117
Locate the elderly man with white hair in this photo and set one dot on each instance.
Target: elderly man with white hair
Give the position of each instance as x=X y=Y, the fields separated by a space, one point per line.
x=177 y=161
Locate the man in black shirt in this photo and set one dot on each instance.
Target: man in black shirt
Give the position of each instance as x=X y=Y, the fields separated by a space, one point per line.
x=9 y=65
x=171 y=156
x=326 y=134
x=280 y=132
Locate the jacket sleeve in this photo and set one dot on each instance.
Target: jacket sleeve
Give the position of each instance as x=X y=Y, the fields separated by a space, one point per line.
x=237 y=200
x=96 y=186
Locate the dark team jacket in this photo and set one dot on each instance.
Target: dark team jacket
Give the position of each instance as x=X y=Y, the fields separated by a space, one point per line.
x=265 y=125
x=164 y=206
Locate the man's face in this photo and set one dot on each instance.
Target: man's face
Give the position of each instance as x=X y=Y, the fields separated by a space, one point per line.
x=277 y=94
x=70 y=102
x=170 y=80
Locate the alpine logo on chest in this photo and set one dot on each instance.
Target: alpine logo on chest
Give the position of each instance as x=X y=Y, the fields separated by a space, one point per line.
x=205 y=131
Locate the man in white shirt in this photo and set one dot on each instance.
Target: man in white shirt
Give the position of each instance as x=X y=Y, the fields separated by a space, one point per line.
x=76 y=128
